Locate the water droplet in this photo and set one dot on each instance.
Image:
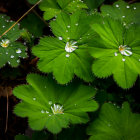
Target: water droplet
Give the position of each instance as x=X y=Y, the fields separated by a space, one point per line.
x=139 y=59
x=67 y=55
x=57 y=109
x=34 y=99
x=125 y=50
x=50 y=115
x=76 y=24
x=42 y=111
x=117 y=5
x=127 y=6
x=66 y=30
x=18 y=51
x=12 y=56
x=68 y=38
x=71 y=46
x=3 y=26
x=60 y=38
x=50 y=102
x=123 y=16
x=6 y=52
x=9 y=62
x=5 y=43
x=123 y=59
x=134 y=8
x=115 y=54
x=68 y=26
x=47 y=111
x=18 y=61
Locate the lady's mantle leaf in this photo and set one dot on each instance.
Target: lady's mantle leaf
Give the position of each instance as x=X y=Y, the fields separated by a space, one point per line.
x=67 y=54
x=54 y=7
x=117 y=52
x=127 y=13
x=10 y=51
x=51 y=106
x=115 y=124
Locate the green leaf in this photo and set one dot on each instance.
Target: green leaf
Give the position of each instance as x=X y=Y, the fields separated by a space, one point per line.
x=92 y=4
x=127 y=13
x=52 y=8
x=56 y=55
x=33 y=24
x=51 y=106
x=110 y=58
x=10 y=50
x=115 y=124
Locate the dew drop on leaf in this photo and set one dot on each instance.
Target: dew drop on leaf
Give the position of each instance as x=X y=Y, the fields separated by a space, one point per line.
x=60 y=38
x=50 y=102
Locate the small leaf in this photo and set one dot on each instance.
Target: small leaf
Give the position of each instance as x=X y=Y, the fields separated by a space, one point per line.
x=10 y=50
x=115 y=124
x=51 y=106
x=67 y=54
x=117 y=52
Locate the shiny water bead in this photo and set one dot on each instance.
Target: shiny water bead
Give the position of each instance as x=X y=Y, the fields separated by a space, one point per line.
x=50 y=102
x=18 y=51
x=42 y=111
x=67 y=55
x=134 y=8
x=34 y=99
x=60 y=38
x=115 y=54
x=57 y=109
x=125 y=50
x=12 y=56
x=117 y=5
x=70 y=46
x=123 y=59
x=127 y=6
x=5 y=43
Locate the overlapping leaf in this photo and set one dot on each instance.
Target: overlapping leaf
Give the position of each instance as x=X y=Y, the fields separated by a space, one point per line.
x=127 y=13
x=56 y=54
x=115 y=124
x=112 y=60
x=10 y=50
x=42 y=95
x=54 y=7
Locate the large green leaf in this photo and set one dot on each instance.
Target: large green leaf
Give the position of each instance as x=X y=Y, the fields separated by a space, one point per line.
x=10 y=50
x=52 y=8
x=51 y=106
x=123 y=64
x=56 y=54
x=115 y=124
x=127 y=13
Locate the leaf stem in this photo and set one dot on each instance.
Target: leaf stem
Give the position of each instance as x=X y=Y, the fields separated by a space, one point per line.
x=21 y=18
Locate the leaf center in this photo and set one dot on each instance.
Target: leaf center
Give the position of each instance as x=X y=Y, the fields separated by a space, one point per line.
x=5 y=43
x=71 y=46
x=125 y=50
x=57 y=109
